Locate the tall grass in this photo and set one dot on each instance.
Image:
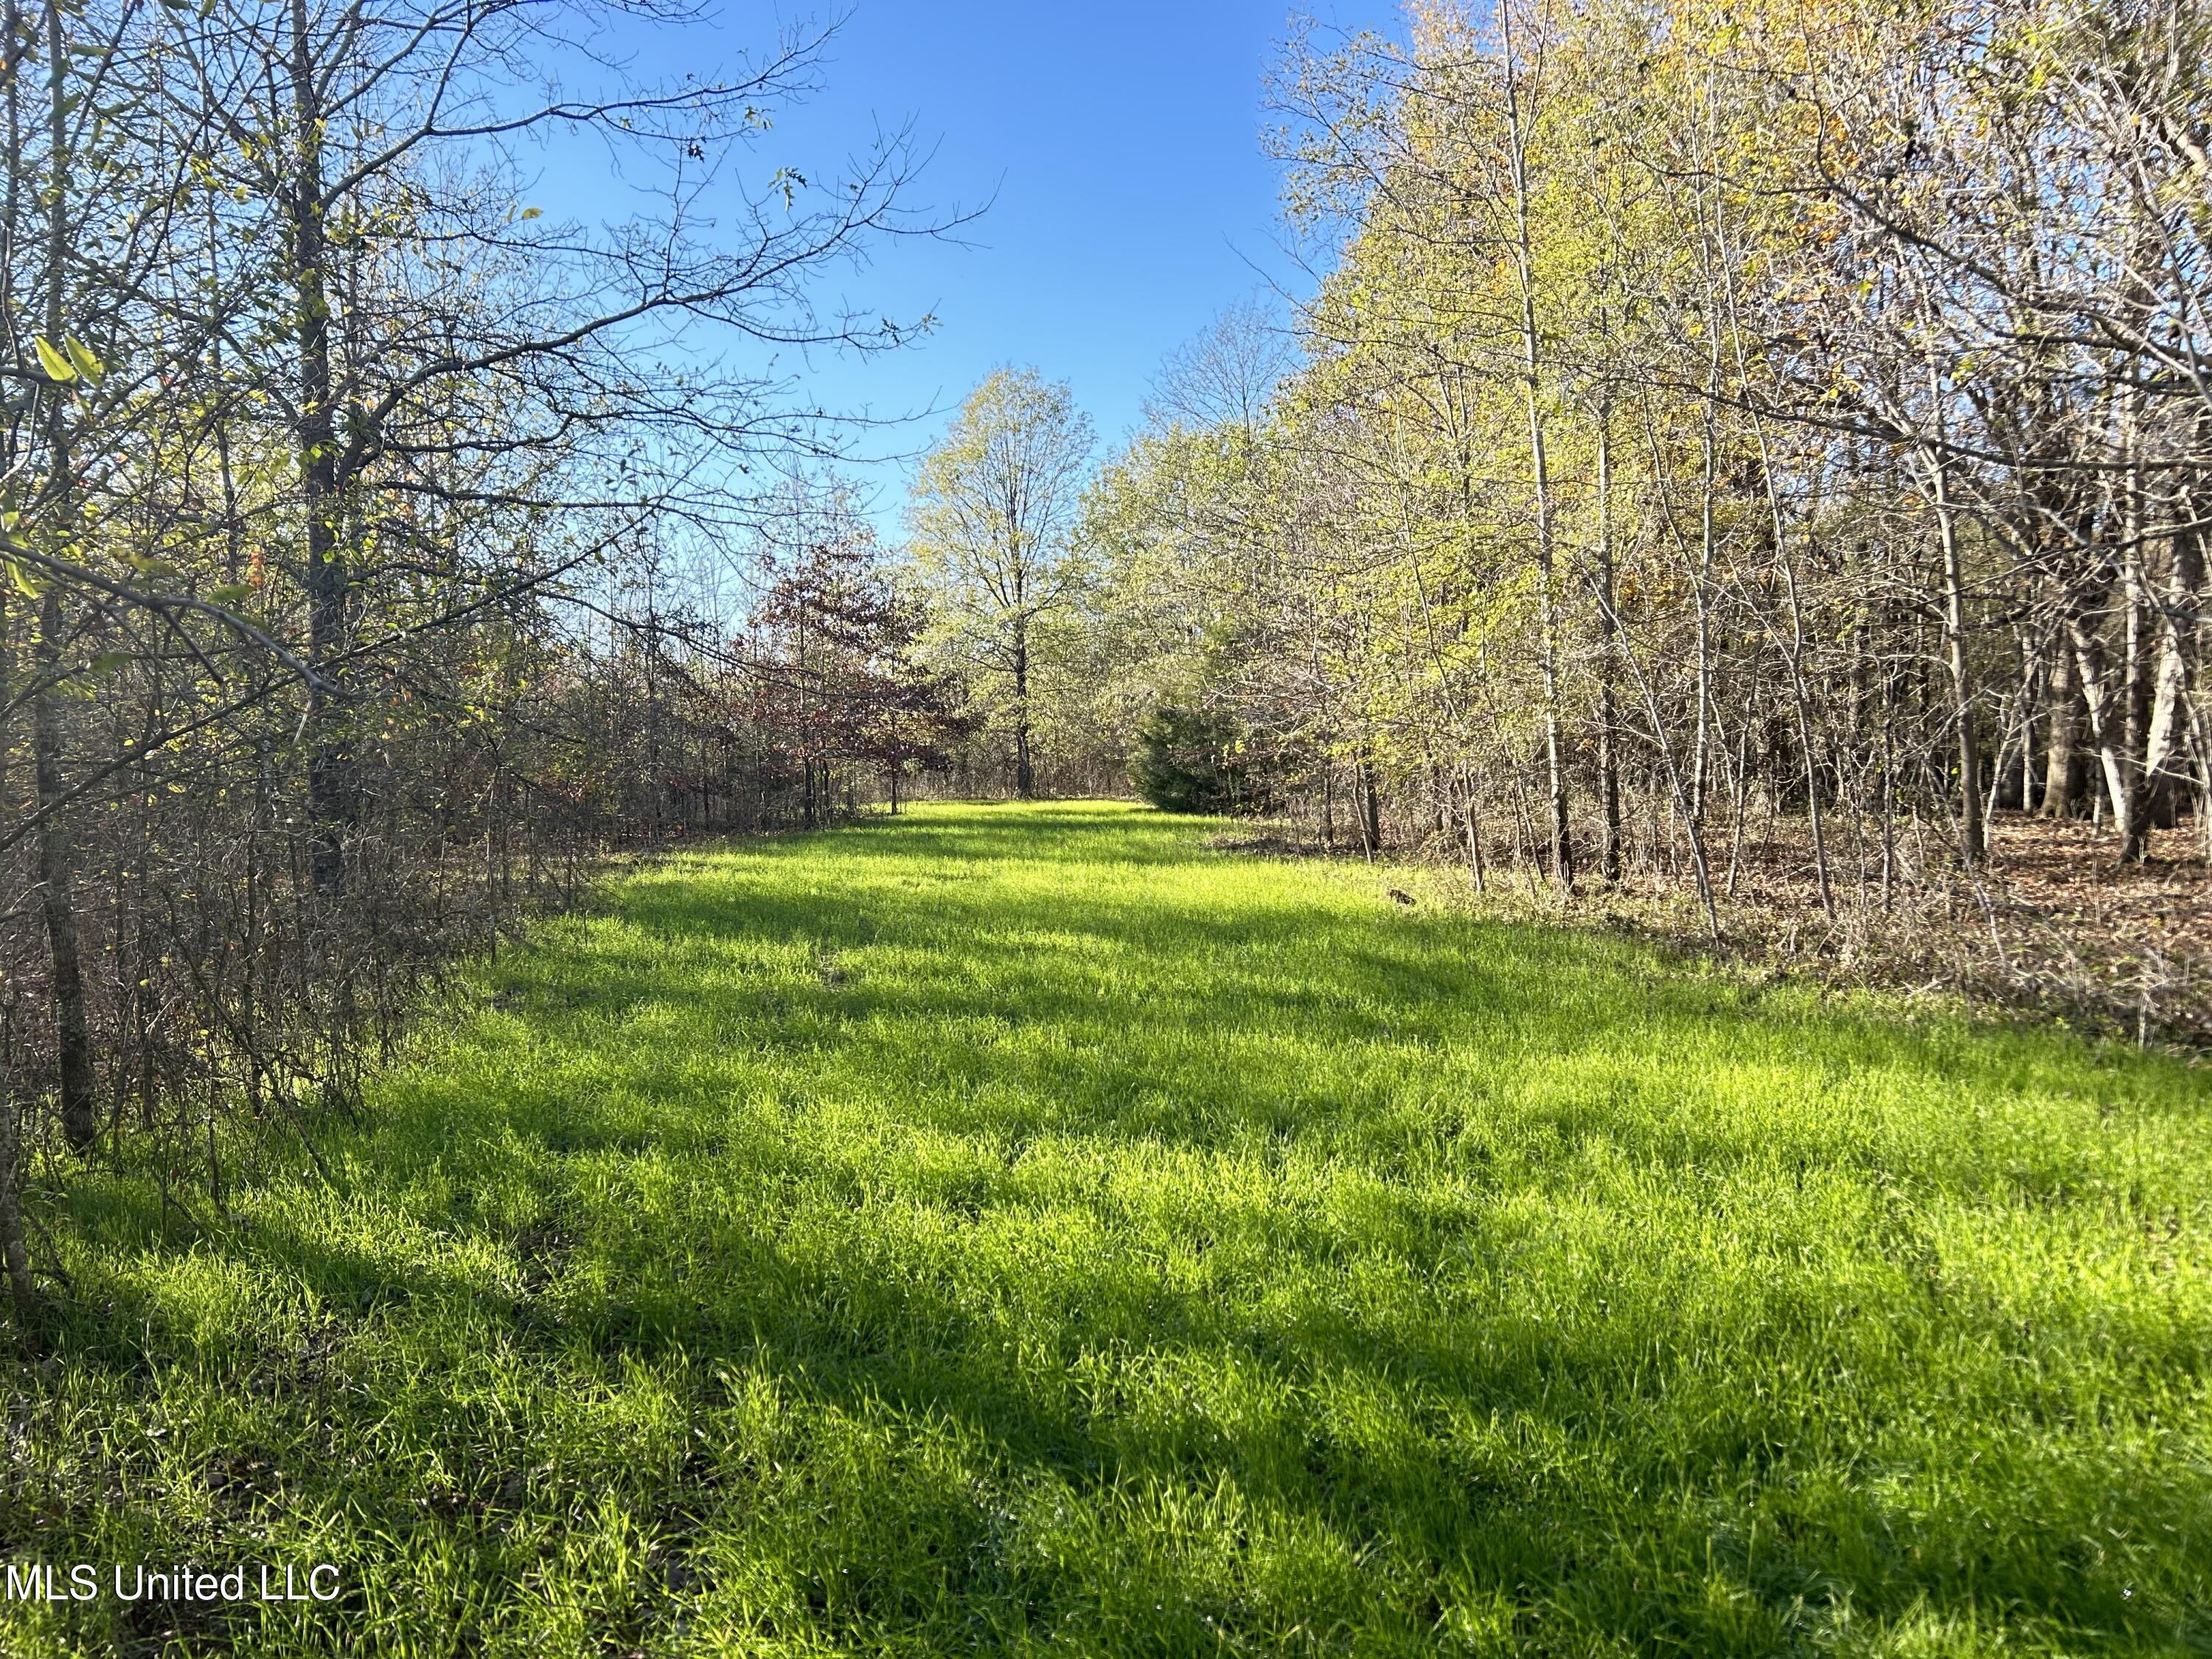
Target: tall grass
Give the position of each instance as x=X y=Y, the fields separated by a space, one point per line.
x=1021 y=1230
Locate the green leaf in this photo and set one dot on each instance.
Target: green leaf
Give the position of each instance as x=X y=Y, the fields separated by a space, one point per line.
x=230 y=594
x=107 y=662
x=57 y=366
x=87 y=365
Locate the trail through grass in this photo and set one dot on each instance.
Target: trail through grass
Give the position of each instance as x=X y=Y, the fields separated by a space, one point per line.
x=1025 y=1231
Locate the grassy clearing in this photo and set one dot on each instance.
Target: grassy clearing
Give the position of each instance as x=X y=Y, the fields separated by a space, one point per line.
x=1021 y=1230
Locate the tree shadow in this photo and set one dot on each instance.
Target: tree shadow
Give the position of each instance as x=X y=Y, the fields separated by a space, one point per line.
x=1195 y=1195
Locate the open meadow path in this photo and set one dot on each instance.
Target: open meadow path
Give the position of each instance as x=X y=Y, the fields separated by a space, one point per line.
x=1026 y=1229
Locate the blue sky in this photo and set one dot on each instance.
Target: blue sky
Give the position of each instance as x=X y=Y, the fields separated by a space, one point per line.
x=1118 y=143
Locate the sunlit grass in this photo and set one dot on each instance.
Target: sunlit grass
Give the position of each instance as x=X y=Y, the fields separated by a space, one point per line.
x=1021 y=1228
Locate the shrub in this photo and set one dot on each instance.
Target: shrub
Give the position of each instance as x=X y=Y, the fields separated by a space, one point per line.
x=1189 y=761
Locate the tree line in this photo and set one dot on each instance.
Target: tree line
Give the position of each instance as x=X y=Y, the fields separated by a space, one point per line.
x=380 y=546
x=1726 y=439
x=1744 y=451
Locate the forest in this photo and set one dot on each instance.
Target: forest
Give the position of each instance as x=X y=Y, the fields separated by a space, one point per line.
x=1753 y=456
x=1736 y=478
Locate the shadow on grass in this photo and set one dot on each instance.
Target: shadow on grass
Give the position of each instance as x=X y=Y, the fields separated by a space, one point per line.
x=1174 y=1255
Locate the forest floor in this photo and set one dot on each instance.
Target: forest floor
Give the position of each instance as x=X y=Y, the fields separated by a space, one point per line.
x=1024 y=1229
x=2052 y=926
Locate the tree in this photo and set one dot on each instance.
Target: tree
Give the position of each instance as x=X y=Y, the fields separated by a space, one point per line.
x=1226 y=375
x=361 y=524
x=409 y=307
x=834 y=647
x=990 y=518
x=1772 y=438
x=1188 y=761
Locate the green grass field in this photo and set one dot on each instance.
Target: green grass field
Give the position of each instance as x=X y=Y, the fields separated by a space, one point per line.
x=1025 y=1231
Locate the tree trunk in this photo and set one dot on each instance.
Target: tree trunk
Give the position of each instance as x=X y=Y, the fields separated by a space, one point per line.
x=2102 y=701
x=57 y=901
x=2165 y=762
x=13 y=1251
x=57 y=898
x=2135 y=705
x=1608 y=757
x=1024 y=773
x=2062 y=782
x=1972 y=835
x=1563 y=856
x=329 y=761
x=1471 y=826
x=1371 y=806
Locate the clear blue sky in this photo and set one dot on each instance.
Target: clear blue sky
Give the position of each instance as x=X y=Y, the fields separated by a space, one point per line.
x=1118 y=143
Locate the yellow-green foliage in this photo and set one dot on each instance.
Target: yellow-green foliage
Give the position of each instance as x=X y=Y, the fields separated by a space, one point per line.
x=1009 y=1231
